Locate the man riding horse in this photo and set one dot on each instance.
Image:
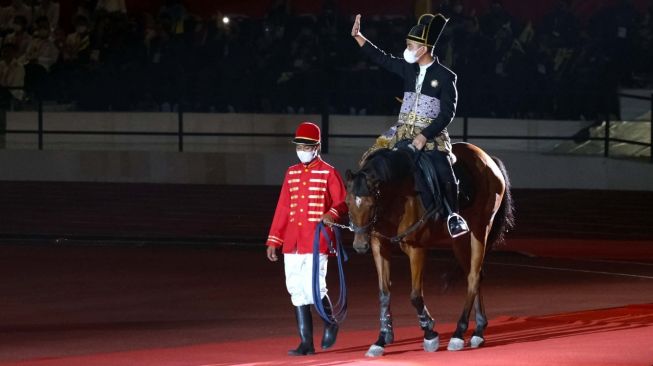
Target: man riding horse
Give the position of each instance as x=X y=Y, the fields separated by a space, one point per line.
x=428 y=106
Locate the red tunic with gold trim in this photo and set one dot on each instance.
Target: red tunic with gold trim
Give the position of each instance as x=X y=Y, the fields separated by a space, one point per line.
x=308 y=191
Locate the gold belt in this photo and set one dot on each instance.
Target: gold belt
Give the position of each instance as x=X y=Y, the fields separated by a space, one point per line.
x=414 y=120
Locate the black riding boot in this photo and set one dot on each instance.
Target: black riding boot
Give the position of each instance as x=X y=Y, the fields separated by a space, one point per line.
x=448 y=183
x=455 y=223
x=305 y=328
x=330 y=330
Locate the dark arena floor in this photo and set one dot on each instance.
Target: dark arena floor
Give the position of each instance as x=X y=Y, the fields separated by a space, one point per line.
x=131 y=274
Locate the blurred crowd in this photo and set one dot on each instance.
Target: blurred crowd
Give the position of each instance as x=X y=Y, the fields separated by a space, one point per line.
x=108 y=59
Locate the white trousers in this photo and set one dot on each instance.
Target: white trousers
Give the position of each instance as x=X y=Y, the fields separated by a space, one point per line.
x=299 y=277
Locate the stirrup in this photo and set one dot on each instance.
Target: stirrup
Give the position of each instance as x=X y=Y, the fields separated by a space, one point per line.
x=462 y=227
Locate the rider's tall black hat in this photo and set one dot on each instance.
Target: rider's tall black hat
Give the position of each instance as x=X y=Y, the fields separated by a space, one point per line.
x=428 y=29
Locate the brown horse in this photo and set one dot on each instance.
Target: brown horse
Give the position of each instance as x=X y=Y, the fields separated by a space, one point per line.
x=386 y=210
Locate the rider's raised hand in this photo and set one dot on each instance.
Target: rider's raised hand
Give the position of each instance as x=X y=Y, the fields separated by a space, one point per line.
x=356 y=29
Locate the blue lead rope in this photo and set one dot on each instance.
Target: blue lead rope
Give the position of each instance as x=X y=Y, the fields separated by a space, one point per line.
x=339 y=310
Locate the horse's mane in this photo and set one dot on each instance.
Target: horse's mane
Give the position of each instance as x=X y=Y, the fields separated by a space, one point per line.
x=382 y=166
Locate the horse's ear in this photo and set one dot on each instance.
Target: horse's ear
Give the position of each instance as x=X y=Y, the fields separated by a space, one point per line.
x=349 y=175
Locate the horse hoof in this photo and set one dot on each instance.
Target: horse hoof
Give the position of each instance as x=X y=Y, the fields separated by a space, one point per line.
x=476 y=341
x=432 y=345
x=456 y=344
x=375 y=351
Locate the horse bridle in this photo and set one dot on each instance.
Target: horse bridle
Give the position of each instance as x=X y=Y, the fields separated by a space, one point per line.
x=393 y=239
x=361 y=229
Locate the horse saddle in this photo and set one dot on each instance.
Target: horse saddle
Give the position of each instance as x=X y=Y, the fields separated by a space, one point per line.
x=426 y=177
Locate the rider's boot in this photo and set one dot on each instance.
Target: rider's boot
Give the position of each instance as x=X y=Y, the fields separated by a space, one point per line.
x=456 y=225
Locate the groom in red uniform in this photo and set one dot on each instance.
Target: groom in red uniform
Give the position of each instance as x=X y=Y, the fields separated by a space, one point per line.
x=312 y=191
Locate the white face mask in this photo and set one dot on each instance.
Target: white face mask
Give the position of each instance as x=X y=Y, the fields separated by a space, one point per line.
x=306 y=156
x=410 y=56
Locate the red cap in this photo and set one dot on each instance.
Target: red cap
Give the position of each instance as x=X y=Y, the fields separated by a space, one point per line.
x=307 y=133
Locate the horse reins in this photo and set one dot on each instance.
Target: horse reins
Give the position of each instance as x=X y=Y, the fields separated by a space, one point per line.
x=339 y=309
x=393 y=239
x=399 y=237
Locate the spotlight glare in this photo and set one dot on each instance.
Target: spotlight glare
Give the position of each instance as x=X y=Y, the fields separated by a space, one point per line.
x=225 y=20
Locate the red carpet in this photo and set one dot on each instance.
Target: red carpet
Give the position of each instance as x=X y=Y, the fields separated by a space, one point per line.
x=193 y=306
x=617 y=336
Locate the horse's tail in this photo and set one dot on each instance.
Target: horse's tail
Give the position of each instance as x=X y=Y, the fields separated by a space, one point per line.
x=504 y=220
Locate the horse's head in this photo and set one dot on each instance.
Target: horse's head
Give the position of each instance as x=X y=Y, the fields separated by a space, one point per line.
x=361 y=200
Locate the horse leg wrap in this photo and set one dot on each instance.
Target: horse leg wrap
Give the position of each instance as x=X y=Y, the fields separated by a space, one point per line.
x=481 y=323
x=386 y=335
x=481 y=319
x=426 y=322
x=386 y=318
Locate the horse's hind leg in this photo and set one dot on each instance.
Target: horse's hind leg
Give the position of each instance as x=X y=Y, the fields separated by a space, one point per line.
x=386 y=334
x=417 y=258
x=473 y=270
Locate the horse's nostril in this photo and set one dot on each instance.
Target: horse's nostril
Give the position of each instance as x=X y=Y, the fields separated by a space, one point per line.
x=362 y=248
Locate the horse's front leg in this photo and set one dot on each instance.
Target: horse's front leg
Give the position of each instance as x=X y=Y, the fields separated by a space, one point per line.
x=382 y=261
x=417 y=258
